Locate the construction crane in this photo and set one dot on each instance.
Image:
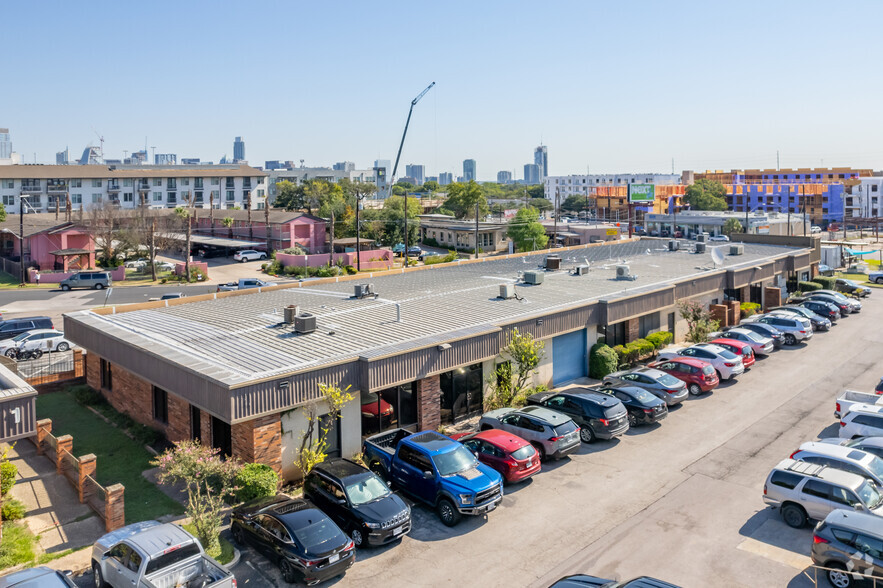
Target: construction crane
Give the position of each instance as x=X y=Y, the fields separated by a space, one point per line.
x=101 y=140
x=399 y=155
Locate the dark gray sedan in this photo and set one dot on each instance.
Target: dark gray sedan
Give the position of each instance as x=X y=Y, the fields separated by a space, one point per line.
x=667 y=387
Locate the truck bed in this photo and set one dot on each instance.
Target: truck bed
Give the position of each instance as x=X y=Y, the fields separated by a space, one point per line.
x=850 y=397
x=388 y=441
x=191 y=573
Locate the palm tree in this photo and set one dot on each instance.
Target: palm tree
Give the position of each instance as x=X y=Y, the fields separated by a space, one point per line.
x=228 y=222
x=184 y=214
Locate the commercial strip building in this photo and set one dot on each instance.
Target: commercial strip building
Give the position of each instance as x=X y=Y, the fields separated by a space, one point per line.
x=228 y=369
x=453 y=233
x=45 y=188
x=691 y=223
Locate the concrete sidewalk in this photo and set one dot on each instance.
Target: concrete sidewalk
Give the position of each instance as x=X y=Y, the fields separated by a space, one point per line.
x=54 y=512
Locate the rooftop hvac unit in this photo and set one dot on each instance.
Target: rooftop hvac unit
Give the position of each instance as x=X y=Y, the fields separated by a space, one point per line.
x=507 y=291
x=700 y=247
x=535 y=278
x=363 y=290
x=305 y=323
x=674 y=245
x=623 y=272
x=581 y=270
x=737 y=249
x=553 y=262
x=702 y=237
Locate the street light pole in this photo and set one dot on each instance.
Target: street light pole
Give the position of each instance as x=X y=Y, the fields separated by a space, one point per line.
x=21 y=239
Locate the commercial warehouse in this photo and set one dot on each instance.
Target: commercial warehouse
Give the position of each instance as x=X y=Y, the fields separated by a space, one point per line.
x=417 y=351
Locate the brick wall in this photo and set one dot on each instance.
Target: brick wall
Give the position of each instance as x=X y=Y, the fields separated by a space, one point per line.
x=178 y=428
x=633 y=330
x=772 y=296
x=719 y=313
x=93 y=371
x=429 y=403
x=205 y=428
x=131 y=395
x=734 y=312
x=259 y=440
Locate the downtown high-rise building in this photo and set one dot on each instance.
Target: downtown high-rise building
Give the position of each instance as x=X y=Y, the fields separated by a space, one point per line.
x=238 y=150
x=504 y=177
x=418 y=172
x=5 y=144
x=445 y=178
x=532 y=174
x=164 y=159
x=468 y=170
x=63 y=157
x=541 y=158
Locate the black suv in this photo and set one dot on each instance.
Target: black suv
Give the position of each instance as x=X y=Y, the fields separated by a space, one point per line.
x=13 y=327
x=599 y=416
x=643 y=407
x=358 y=501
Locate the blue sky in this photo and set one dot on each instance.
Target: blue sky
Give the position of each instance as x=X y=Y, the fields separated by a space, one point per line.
x=615 y=86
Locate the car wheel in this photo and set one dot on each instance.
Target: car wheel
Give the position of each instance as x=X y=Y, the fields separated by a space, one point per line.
x=720 y=376
x=98 y=286
x=358 y=539
x=65 y=287
x=694 y=389
x=62 y=347
x=262 y=257
x=789 y=339
x=541 y=451
x=97 y=577
x=10 y=353
x=288 y=573
x=448 y=513
x=586 y=435
x=794 y=516
x=242 y=260
x=879 y=280
x=838 y=576
x=38 y=353
x=633 y=421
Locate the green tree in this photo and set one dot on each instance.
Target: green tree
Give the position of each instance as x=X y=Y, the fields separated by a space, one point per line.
x=536 y=191
x=574 y=203
x=2 y=213
x=392 y=216
x=541 y=204
x=706 y=195
x=314 y=440
x=398 y=190
x=462 y=199
x=525 y=230
x=699 y=321
x=315 y=192
x=289 y=196
x=431 y=186
x=228 y=222
x=405 y=185
x=732 y=226
x=509 y=384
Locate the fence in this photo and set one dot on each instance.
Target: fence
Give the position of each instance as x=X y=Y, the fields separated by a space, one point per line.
x=57 y=366
x=10 y=267
x=80 y=472
x=859 y=573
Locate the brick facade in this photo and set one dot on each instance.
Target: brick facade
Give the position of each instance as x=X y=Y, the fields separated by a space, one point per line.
x=429 y=403
x=93 y=371
x=259 y=440
x=734 y=312
x=632 y=330
x=205 y=428
x=178 y=428
x=719 y=313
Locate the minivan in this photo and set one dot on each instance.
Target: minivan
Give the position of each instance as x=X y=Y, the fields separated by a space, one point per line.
x=13 y=327
x=96 y=280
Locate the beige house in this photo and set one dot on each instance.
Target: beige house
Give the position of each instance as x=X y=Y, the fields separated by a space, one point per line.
x=453 y=233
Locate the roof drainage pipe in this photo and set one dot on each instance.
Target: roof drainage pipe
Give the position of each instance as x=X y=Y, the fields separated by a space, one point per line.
x=398 y=312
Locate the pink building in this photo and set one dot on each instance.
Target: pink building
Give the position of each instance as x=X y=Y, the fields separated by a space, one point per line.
x=286 y=228
x=50 y=243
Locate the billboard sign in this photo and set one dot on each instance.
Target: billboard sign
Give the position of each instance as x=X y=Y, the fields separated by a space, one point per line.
x=642 y=193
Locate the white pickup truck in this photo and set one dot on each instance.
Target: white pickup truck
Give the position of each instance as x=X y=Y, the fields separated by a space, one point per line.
x=155 y=555
x=850 y=397
x=244 y=284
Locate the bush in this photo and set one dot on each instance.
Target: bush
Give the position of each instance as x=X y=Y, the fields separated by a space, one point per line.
x=87 y=396
x=827 y=282
x=350 y=270
x=273 y=268
x=8 y=472
x=296 y=250
x=290 y=270
x=433 y=259
x=430 y=242
x=808 y=286
x=660 y=339
x=749 y=308
x=327 y=271
x=520 y=399
x=255 y=480
x=602 y=361
x=13 y=509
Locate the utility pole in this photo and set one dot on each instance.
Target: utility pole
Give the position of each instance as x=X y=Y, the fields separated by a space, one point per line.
x=358 y=234
x=555 y=217
x=476 y=230
x=267 y=226
x=21 y=240
x=803 y=198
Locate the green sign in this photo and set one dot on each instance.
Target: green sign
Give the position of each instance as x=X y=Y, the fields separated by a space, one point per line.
x=642 y=193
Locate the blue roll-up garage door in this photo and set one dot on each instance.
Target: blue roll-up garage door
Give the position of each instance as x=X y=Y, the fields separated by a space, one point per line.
x=569 y=357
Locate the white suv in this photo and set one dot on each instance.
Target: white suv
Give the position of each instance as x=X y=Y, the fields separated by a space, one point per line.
x=727 y=363
x=847 y=459
x=249 y=255
x=862 y=420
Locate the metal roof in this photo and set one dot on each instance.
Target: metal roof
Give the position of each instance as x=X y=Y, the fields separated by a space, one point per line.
x=216 y=241
x=234 y=340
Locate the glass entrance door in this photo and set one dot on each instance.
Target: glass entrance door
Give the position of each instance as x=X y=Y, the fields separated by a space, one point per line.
x=462 y=392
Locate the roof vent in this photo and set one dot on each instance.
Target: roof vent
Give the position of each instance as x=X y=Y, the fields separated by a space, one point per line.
x=700 y=247
x=581 y=270
x=291 y=311
x=553 y=262
x=305 y=323
x=737 y=249
x=535 y=278
x=507 y=291
x=674 y=245
x=364 y=290
x=623 y=272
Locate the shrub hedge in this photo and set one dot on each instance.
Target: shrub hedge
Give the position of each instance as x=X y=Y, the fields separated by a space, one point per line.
x=827 y=282
x=659 y=339
x=602 y=361
x=749 y=308
x=256 y=480
x=808 y=286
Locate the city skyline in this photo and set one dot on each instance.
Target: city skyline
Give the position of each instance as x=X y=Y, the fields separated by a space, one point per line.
x=672 y=96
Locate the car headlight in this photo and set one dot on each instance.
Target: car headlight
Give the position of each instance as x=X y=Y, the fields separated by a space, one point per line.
x=372 y=525
x=466 y=498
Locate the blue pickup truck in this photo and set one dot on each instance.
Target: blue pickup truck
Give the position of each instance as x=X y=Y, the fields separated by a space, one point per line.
x=437 y=471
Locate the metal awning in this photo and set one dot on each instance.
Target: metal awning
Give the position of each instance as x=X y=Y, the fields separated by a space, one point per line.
x=216 y=241
x=68 y=252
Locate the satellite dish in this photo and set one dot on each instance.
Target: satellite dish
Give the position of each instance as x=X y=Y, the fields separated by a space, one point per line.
x=717 y=256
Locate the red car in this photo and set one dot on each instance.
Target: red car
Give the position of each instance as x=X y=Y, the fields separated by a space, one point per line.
x=700 y=376
x=509 y=454
x=376 y=412
x=739 y=348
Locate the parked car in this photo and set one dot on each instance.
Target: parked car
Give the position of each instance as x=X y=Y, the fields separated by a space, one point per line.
x=803 y=491
x=292 y=533
x=879 y=387
x=760 y=344
x=737 y=347
x=435 y=470
x=643 y=408
x=135 y=264
x=96 y=280
x=552 y=432
x=13 y=327
x=249 y=255
x=862 y=420
x=839 y=297
x=848 y=543
x=670 y=389
x=849 y=398
x=727 y=364
x=851 y=287
x=828 y=310
x=39 y=577
x=761 y=329
x=584 y=581
x=414 y=251
x=847 y=459
x=876 y=277
x=872 y=445
x=599 y=416
x=45 y=340
x=358 y=501
x=819 y=323
x=794 y=329
x=207 y=251
x=164 y=266
x=512 y=456
x=244 y=284
x=699 y=376
x=815 y=229
x=716 y=238
x=150 y=553
x=843 y=307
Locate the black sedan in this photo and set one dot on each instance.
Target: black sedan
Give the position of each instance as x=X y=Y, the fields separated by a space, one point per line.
x=643 y=407
x=358 y=501
x=819 y=323
x=761 y=329
x=583 y=581
x=295 y=535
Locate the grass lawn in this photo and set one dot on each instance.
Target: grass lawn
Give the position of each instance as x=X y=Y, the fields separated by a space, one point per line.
x=120 y=460
x=17 y=546
x=226 y=555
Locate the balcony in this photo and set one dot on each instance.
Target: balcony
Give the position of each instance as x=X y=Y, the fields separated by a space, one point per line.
x=59 y=188
x=31 y=189
x=113 y=187
x=144 y=187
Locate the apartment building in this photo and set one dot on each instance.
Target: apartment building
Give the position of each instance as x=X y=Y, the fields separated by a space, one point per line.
x=564 y=186
x=830 y=175
x=299 y=175
x=42 y=188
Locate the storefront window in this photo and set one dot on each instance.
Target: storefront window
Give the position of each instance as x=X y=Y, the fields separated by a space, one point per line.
x=462 y=392
x=389 y=409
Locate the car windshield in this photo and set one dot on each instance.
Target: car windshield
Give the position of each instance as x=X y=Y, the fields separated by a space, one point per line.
x=668 y=380
x=876 y=467
x=643 y=396
x=708 y=370
x=754 y=337
x=368 y=489
x=524 y=452
x=453 y=462
x=313 y=536
x=869 y=494
x=849 y=283
x=22 y=337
